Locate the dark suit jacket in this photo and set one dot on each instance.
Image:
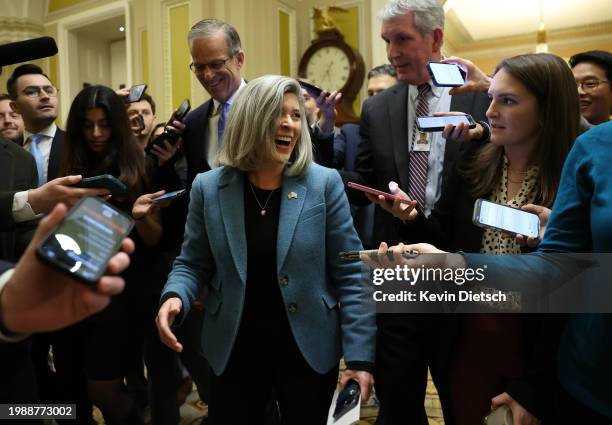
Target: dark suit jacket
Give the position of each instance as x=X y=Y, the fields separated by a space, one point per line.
x=195 y=142
x=383 y=152
x=17 y=173
x=55 y=157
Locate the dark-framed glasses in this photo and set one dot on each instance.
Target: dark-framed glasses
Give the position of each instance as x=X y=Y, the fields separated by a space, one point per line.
x=215 y=65
x=34 y=91
x=590 y=84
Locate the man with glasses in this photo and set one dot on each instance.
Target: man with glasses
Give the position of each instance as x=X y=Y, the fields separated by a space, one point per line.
x=35 y=98
x=593 y=73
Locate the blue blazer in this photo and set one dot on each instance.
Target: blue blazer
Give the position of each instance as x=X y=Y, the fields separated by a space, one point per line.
x=335 y=314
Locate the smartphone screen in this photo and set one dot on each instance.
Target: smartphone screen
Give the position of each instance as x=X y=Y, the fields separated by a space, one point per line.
x=135 y=93
x=87 y=238
x=445 y=74
x=438 y=123
x=507 y=218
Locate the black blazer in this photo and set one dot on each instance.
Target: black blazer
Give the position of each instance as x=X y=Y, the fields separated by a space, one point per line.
x=383 y=152
x=17 y=173
x=55 y=156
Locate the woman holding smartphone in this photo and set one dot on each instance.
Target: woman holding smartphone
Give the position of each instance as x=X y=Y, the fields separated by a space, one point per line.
x=533 y=119
x=271 y=322
x=99 y=141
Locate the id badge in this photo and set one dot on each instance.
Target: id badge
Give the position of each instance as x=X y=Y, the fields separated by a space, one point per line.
x=422 y=142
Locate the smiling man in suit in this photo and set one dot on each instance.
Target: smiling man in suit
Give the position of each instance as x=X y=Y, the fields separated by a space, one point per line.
x=35 y=98
x=413 y=31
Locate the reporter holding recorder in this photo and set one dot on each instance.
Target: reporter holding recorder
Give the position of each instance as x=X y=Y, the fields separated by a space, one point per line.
x=270 y=321
x=534 y=118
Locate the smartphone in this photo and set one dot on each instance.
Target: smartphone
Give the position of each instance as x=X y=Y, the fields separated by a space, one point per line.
x=170 y=195
x=138 y=122
x=104 y=181
x=371 y=191
x=348 y=398
x=169 y=135
x=500 y=416
x=135 y=93
x=446 y=74
x=430 y=124
x=312 y=90
x=85 y=240
x=489 y=214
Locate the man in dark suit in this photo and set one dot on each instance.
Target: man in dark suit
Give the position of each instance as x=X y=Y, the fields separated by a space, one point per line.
x=11 y=124
x=35 y=98
x=408 y=344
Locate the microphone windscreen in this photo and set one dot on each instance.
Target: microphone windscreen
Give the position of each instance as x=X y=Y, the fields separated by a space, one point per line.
x=28 y=50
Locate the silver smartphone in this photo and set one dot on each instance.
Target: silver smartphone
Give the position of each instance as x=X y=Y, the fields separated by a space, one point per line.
x=511 y=220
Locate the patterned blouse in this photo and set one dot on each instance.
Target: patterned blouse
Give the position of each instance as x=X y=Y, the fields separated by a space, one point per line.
x=495 y=241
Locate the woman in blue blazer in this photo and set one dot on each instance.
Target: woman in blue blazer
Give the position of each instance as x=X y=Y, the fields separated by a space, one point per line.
x=261 y=244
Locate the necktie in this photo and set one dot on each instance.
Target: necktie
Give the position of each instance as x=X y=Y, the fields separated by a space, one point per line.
x=418 y=159
x=223 y=107
x=35 y=139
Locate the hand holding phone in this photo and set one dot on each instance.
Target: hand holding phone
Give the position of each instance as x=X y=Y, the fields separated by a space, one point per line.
x=511 y=220
x=500 y=416
x=104 y=181
x=170 y=135
x=169 y=196
x=438 y=123
x=347 y=399
x=313 y=90
x=135 y=93
x=85 y=240
x=446 y=74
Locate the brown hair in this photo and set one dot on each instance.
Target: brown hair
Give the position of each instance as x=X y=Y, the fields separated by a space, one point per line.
x=550 y=80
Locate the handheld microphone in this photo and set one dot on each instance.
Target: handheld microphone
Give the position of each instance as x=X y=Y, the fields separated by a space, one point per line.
x=28 y=50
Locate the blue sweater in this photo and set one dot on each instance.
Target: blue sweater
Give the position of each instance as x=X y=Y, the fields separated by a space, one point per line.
x=581 y=222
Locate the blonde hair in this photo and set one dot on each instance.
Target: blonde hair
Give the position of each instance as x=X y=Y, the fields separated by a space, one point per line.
x=250 y=132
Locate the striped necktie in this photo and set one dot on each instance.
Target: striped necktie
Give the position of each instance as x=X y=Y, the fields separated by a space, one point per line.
x=419 y=163
x=223 y=108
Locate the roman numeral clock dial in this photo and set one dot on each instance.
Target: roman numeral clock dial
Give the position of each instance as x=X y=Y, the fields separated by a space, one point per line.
x=329 y=68
x=332 y=64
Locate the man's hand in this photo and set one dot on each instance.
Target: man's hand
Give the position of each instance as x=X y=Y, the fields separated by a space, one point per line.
x=365 y=379
x=326 y=102
x=520 y=415
x=476 y=80
x=39 y=298
x=165 y=317
x=45 y=197
x=543 y=214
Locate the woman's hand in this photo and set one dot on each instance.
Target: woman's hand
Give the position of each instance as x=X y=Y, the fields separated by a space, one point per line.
x=165 y=318
x=520 y=415
x=326 y=102
x=460 y=132
x=144 y=205
x=365 y=379
x=403 y=207
x=543 y=214
x=166 y=152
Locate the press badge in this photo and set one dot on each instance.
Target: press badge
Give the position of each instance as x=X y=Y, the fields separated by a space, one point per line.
x=422 y=142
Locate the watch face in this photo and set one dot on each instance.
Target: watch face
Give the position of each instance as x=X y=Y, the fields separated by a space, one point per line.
x=328 y=68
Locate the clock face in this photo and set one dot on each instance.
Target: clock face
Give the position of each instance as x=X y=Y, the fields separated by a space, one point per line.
x=328 y=68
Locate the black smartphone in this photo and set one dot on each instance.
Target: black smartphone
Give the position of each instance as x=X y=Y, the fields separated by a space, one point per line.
x=169 y=135
x=170 y=195
x=312 y=90
x=135 y=93
x=86 y=239
x=138 y=122
x=104 y=181
x=446 y=74
x=511 y=220
x=347 y=399
x=429 y=124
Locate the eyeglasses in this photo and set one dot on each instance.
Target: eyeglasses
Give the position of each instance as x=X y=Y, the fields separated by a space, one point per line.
x=590 y=84
x=216 y=65
x=34 y=91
